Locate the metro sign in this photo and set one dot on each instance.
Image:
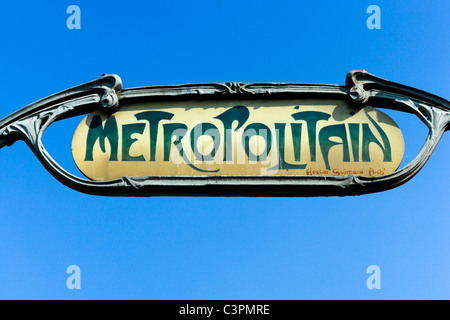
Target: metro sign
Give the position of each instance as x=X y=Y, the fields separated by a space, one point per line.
x=233 y=139
x=294 y=138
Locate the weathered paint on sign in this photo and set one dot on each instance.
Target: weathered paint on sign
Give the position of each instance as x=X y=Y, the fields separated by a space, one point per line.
x=238 y=138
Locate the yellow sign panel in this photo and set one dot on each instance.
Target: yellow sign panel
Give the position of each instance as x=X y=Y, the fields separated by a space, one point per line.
x=238 y=138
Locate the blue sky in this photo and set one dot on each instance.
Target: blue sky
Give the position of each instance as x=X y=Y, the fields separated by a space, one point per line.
x=220 y=248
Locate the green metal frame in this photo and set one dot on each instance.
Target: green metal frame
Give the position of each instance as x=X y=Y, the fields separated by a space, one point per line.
x=106 y=94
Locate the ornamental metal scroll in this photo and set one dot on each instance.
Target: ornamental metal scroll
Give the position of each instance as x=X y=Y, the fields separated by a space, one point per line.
x=232 y=105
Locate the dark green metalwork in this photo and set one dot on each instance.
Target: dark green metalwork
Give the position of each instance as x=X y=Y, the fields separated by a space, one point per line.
x=106 y=94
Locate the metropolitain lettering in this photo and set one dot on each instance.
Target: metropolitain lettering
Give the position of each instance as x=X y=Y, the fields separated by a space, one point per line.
x=232 y=134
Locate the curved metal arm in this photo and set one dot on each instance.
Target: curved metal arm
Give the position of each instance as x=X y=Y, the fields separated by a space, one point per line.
x=97 y=94
x=106 y=94
x=29 y=123
x=434 y=111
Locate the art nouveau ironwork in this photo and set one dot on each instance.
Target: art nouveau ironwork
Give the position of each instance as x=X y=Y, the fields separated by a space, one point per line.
x=106 y=94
